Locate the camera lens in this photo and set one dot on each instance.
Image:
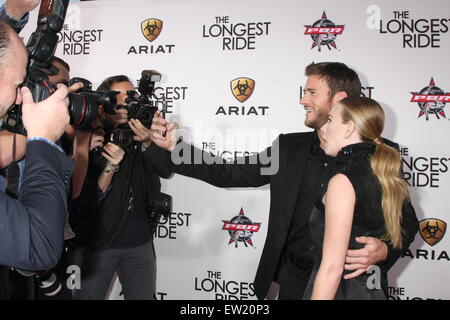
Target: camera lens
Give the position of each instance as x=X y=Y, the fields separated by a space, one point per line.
x=83 y=109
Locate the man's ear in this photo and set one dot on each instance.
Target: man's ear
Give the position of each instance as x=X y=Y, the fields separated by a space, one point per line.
x=338 y=96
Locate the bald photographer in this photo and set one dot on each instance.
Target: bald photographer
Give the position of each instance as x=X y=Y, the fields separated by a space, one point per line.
x=31 y=226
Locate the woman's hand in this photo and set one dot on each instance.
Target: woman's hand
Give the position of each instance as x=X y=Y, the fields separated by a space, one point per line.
x=113 y=154
x=97 y=139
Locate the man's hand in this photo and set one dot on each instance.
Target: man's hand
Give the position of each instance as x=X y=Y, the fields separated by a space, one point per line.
x=163 y=133
x=75 y=87
x=17 y=9
x=359 y=261
x=141 y=133
x=48 y=118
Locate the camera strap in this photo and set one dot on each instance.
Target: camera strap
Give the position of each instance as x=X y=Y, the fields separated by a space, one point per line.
x=13 y=174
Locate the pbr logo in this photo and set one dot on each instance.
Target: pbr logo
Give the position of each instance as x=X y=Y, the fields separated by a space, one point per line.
x=242 y=88
x=151 y=28
x=324 y=32
x=432 y=230
x=431 y=100
x=241 y=229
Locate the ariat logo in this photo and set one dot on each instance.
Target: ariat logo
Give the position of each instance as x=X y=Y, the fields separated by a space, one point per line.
x=242 y=88
x=432 y=230
x=151 y=28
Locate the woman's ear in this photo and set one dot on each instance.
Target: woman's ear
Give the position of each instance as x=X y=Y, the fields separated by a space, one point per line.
x=101 y=111
x=350 y=129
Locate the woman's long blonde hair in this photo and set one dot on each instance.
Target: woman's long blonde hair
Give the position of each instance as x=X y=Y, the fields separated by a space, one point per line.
x=368 y=117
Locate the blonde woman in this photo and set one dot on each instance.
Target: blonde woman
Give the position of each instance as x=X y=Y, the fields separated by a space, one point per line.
x=364 y=197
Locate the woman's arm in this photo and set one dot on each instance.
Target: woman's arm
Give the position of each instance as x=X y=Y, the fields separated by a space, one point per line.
x=114 y=155
x=105 y=178
x=339 y=206
x=80 y=154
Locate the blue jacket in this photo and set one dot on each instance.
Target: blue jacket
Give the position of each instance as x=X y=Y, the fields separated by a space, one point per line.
x=32 y=226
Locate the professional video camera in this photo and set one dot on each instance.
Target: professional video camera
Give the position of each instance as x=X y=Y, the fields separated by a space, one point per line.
x=41 y=49
x=139 y=107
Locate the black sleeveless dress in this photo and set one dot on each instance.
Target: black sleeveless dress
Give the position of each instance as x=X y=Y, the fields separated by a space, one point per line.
x=354 y=162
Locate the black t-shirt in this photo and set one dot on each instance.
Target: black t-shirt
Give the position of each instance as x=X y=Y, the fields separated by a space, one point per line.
x=136 y=230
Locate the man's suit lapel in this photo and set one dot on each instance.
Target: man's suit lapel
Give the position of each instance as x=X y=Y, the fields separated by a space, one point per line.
x=296 y=162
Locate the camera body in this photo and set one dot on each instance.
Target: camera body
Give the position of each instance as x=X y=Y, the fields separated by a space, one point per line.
x=41 y=88
x=159 y=204
x=41 y=47
x=139 y=107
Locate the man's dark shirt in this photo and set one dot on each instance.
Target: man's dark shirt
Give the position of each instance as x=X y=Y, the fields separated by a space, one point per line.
x=315 y=176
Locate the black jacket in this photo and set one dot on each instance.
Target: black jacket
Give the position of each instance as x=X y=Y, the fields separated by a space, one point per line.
x=97 y=223
x=284 y=188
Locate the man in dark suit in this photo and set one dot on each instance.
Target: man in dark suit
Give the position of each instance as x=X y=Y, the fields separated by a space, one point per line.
x=32 y=226
x=298 y=167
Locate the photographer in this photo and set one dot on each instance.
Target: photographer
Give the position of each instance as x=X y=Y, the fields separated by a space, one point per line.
x=51 y=284
x=111 y=214
x=15 y=12
x=31 y=236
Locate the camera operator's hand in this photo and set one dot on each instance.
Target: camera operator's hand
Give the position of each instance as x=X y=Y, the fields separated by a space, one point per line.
x=48 y=118
x=75 y=87
x=141 y=133
x=17 y=9
x=163 y=133
x=97 y=139
x=113 y=154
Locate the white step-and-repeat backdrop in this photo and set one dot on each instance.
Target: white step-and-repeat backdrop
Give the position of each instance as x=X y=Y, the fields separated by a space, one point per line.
x=400 y=50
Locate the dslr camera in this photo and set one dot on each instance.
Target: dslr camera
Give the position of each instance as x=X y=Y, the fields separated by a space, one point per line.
x=140 y=107
x=41 y=47
x=84 y=104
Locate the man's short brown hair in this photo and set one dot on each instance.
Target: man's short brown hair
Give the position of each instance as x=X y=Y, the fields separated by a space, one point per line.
x=338 y=77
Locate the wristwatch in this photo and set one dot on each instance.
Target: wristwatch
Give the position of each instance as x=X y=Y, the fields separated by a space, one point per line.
x=110 y=168
x=143 y=148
